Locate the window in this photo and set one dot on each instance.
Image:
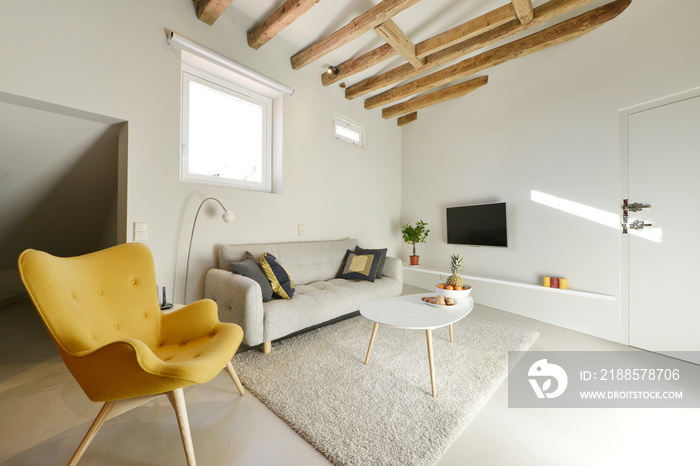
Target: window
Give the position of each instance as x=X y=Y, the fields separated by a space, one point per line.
x=231 y=122
x=226 y=133
x=348 y=131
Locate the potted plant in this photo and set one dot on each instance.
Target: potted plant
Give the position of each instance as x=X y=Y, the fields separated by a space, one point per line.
x=415 y=234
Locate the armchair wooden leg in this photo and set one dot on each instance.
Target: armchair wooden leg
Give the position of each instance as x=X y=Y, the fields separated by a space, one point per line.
x=177 y=399
x=267 y=347
x=96 y=424
x=231 y=371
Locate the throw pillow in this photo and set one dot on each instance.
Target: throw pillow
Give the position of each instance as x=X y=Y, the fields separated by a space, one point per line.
x=360 y=266
x=382 y=258
x=249 y=267
x=282 y=284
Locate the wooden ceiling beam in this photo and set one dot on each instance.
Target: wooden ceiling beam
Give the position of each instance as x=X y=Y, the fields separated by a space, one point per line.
x=406 y=119
x=524 y=11
x=435 y=97
x=208 y=11
x=461 y=33
x=394 y=36
x=466 y=31
x=562 y=32
x=354 y=29
x=361 y=63
x=285 y=15
x=543 y=13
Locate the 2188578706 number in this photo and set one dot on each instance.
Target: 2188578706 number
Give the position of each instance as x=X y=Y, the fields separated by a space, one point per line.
x=640 y=374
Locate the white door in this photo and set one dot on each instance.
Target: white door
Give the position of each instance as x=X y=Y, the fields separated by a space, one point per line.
x=664 y=258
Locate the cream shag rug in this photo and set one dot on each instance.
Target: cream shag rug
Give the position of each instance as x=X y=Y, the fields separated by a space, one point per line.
x=382 y=413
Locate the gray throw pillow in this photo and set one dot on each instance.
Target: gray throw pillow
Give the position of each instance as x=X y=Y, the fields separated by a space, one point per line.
x=250 y=267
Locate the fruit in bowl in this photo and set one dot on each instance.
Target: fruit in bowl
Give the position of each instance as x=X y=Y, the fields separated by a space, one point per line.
x=454 y=287
x=450 y=291
x=446 y=286
x=454 y=280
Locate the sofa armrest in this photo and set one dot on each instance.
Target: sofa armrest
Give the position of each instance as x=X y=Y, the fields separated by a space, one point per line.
x=239 y=300
x=393 y=268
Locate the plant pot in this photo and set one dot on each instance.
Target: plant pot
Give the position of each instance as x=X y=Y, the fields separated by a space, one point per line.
x=414 y=260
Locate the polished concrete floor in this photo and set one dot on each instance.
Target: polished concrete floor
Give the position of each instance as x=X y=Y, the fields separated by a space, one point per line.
x=44 y=415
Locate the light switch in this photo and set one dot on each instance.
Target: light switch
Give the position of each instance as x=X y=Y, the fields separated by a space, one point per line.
x=140 y=231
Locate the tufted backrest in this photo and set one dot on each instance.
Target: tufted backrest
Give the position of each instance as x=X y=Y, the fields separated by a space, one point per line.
x=306 y=262
x=91 y=300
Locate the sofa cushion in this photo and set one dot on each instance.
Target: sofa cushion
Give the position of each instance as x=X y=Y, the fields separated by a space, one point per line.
x=305 y=261
x=250 y=267
x=322 y=301
x=282 y=284
x=360 y=266
x=382 y=257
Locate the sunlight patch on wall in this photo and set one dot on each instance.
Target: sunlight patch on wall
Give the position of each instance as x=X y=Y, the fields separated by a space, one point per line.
x=574 y=208
x=593 y=214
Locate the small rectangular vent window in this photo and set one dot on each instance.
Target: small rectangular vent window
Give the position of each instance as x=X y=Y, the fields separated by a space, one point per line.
x=348 y=131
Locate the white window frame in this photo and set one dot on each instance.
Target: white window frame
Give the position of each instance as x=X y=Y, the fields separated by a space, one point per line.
x=193 y=74
x=209 y=65
x=342 y=122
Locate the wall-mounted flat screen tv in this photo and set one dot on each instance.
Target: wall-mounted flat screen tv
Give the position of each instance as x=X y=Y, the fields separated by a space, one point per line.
x=478 y=225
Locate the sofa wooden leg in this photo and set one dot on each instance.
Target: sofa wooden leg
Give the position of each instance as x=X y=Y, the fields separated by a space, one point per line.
x=267 y=347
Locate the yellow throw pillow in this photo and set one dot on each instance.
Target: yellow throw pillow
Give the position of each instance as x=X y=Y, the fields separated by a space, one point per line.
x=282 y=283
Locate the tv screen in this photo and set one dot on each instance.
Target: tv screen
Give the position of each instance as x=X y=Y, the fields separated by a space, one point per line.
x=479 y=225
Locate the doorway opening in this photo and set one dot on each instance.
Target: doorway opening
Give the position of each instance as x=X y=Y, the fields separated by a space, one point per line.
x=63 y=182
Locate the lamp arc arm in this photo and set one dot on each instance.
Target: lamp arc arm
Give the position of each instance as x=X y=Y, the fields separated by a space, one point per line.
x=194 y=224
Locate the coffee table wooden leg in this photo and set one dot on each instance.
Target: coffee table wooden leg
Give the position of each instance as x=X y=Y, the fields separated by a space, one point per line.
x=452 y=335
x=371 y=341
x=429 y=337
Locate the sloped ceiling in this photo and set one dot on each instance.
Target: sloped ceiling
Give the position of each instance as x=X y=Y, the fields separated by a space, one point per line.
x=318 y=29
x=58 y=182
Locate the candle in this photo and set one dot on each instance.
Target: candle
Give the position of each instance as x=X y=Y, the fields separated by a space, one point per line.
x=546 y=281
x=563 y=284
x=555 y=282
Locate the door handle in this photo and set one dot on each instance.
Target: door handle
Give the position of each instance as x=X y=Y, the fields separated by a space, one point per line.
x=633 y=207
x=638 y=225
x=637 y=207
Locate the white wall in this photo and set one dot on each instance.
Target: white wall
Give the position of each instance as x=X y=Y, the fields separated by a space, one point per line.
x=549 y=122
x=112 y=58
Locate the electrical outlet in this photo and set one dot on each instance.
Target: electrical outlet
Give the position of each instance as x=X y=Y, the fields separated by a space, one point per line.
x=443 y=278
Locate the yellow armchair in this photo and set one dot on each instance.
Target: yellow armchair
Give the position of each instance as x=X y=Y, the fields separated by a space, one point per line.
x=102 y=312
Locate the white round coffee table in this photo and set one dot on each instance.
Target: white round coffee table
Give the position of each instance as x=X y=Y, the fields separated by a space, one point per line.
x=412 y=313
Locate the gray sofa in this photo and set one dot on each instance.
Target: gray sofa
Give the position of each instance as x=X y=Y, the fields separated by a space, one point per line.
x=319 y=295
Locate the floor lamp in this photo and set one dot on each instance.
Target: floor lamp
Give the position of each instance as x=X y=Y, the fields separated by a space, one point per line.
x=227 y=217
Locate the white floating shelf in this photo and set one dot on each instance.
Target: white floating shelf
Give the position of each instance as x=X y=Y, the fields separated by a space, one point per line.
x=519 y=284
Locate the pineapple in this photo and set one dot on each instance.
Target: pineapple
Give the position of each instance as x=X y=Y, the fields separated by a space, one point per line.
x=456 y=267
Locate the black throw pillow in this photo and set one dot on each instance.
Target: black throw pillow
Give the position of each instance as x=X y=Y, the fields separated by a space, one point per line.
x=359 y=266
x=377 y=252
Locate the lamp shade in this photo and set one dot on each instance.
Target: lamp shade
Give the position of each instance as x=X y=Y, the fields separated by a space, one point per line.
x=228 y=216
